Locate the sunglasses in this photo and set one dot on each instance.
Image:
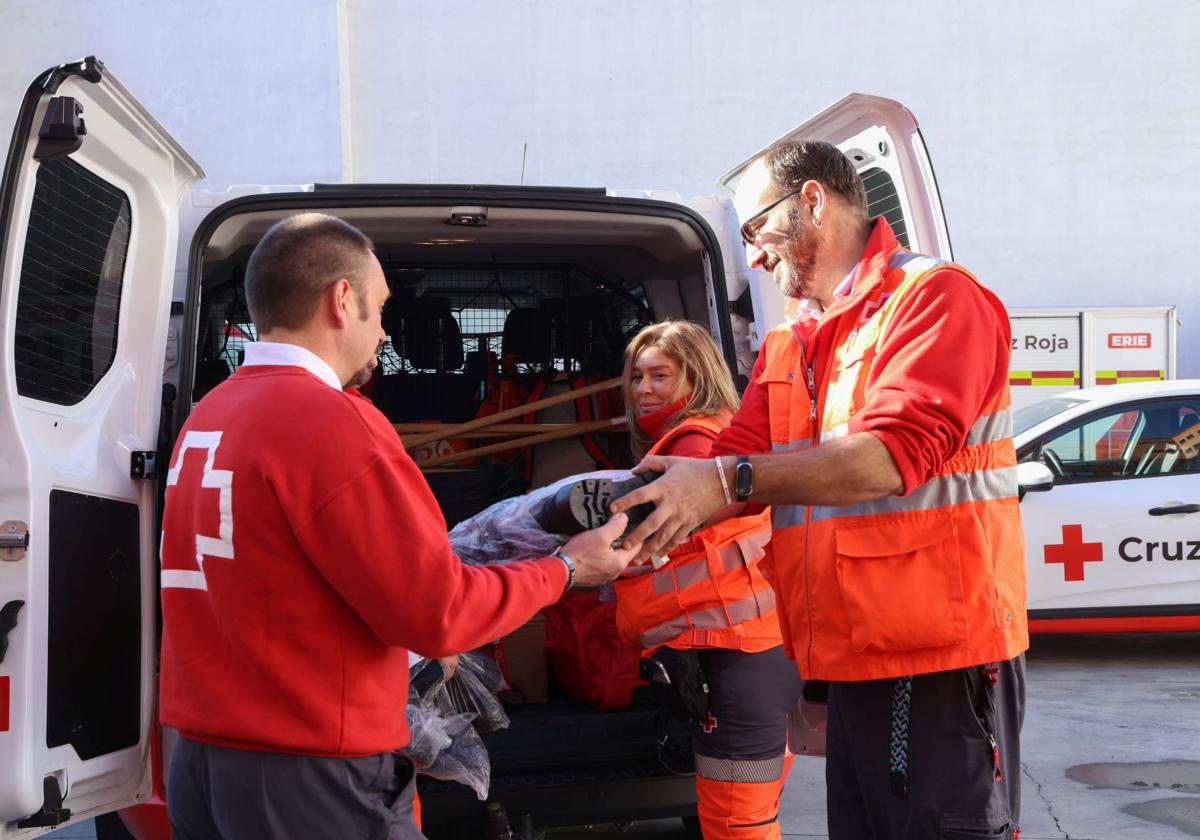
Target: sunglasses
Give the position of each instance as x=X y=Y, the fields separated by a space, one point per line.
x=750 y=227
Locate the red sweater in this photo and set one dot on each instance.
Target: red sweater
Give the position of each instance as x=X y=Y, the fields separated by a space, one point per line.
x=322 y=565
x=921 y=405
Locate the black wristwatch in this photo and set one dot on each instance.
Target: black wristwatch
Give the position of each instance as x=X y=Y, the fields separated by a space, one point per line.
x=743 y=478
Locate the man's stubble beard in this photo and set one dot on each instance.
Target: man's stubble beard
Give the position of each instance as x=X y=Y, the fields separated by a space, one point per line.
x=800 y=259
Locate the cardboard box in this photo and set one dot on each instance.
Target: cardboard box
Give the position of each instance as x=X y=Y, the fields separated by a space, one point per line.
x=525 y=659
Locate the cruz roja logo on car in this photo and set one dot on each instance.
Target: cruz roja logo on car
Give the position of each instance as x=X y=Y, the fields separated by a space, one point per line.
x=1135 y=549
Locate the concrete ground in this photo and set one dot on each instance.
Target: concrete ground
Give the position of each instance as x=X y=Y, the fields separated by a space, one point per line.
x=1111 y=748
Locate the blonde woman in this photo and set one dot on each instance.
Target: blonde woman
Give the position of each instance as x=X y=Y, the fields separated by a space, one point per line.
x=710 y=595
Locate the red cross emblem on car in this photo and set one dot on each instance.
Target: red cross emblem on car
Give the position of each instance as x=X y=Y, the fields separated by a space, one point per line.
x=709 y=723
x=1073 y=552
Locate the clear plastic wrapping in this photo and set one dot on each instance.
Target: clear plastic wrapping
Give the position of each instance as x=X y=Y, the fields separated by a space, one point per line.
x=507 y=531
x=445 y=717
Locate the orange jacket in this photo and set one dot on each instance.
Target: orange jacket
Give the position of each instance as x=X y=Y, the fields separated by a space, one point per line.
x=929 y=580
x=711 y=593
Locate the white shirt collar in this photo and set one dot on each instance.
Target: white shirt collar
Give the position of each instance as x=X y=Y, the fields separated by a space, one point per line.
x=812 y=308
x=291 y=355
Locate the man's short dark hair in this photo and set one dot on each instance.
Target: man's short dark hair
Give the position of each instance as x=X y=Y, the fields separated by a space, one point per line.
x=791 y=164
x=296 y=261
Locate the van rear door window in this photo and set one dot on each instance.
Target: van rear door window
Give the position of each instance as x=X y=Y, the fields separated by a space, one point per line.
x=882 y=200
x=70 y=292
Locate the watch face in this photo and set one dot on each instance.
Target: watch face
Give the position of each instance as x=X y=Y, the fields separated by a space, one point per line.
x=744 y=479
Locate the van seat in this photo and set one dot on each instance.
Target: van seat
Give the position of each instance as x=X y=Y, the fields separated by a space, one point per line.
x=425 y=334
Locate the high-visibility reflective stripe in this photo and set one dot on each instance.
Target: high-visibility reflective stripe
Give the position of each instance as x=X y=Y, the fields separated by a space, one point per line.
x=1115 y=377
x=668 y=579
x=786 y=516
x=737 y=555
x=791 y=446
x=713 y=618
x=943 y=491
x=838 y=431
x=991 y=427
x=987 y=428
x=739 y=769
x=905 y=260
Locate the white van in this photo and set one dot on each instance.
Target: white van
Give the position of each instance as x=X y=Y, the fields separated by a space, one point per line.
x=106 y=342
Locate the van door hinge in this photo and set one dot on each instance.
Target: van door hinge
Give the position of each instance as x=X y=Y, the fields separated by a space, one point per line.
x=14 y=540
x=52 y=813
x=62 y=129
x=143 y=465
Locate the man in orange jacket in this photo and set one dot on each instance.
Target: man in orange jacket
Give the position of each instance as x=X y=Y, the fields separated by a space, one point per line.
x=877 y=425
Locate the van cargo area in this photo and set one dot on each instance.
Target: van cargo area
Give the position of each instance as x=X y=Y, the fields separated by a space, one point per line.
x=496 y=304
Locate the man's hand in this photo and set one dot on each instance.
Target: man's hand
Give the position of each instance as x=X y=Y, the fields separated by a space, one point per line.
x=449 y=665
x=596 y=561
x=685 y=497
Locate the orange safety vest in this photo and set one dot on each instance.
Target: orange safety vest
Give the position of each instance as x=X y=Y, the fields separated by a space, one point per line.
x=711 y=593
x=928 y=581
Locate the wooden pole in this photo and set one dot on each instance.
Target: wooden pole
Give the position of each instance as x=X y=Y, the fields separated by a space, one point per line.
x=495 y=430
x=461 y=429
x=521 y=443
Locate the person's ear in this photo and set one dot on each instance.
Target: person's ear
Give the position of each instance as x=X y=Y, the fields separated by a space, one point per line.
x=815 y=200
x=341 y=307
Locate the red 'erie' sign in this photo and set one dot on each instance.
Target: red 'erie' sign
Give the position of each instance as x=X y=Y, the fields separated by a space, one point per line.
x=1129 y=341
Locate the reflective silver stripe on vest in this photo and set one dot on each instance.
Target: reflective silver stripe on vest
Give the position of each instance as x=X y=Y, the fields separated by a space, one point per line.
x=737 y=555
x=667 y=579
x=739 y=769
x=904 y=260
x=791 y=446
x=838 y=431
x=786 y=516
x=991 y=427
x=713 y=618
x=943 y=491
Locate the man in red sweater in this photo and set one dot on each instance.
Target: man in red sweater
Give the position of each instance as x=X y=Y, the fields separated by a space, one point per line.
x=303 y=556
x=877 y=426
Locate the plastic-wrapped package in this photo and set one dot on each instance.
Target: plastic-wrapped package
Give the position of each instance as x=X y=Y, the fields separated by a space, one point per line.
x=465 y=760
x=509 y=531
x=428 y=732
x=445 y=717
x=472 y=690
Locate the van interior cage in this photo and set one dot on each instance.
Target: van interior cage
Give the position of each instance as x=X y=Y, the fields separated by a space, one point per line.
x=456 y=329
x=567 y=319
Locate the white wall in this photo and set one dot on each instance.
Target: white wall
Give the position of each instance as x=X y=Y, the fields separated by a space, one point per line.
x=1064 y=135
x=250 y=89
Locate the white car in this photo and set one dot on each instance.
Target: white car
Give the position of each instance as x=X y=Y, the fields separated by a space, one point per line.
x=1110 y=480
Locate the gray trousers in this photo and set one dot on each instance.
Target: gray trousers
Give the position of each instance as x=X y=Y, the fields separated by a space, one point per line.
x=950 y=771
x=215 y=793
x=746 y=729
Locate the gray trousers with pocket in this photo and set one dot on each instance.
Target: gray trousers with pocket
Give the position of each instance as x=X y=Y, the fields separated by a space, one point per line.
x=948 y=769
x=216 y=793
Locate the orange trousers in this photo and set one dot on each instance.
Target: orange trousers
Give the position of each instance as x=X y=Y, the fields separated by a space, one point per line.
x=741 y=810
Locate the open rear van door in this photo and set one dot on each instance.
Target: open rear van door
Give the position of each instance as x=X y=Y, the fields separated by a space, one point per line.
x=882 y=139
x=89 y=209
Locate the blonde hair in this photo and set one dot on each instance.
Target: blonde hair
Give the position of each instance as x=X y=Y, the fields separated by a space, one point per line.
x=691 y=347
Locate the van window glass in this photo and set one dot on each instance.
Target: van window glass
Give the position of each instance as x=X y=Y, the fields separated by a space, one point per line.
x=883 y=200
x=70 y=287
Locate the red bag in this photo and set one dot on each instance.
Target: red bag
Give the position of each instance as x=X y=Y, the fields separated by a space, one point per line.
x=590 y=661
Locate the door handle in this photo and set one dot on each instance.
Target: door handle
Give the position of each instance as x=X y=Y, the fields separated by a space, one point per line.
x=1163 y=511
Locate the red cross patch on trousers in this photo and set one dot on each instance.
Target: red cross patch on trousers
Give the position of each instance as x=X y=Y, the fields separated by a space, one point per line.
x=709 y=723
